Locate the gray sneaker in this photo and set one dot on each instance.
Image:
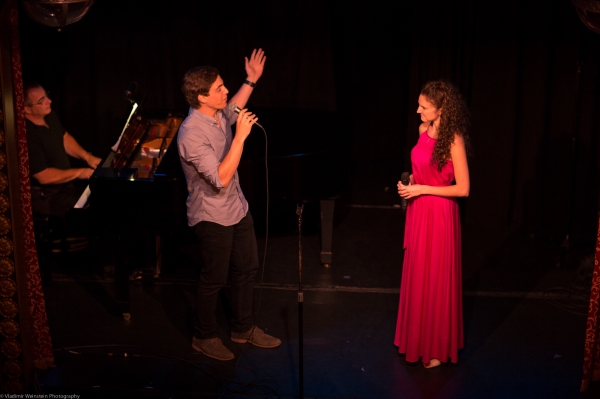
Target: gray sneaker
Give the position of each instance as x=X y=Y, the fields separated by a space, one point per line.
x=256 y=337
x=212 y=347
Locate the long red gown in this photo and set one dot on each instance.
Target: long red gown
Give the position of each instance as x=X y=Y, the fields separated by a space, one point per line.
x=430 y=318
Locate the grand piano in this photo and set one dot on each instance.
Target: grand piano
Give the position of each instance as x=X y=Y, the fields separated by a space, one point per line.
x=138 y=195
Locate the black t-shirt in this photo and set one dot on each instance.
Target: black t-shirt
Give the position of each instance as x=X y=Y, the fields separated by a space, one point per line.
x=46 y=146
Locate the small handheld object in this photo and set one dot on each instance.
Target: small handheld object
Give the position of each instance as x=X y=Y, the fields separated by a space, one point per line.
x=405 y=179
x=236 y=109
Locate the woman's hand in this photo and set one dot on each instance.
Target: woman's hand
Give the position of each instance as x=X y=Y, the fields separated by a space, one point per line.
x=410 y=191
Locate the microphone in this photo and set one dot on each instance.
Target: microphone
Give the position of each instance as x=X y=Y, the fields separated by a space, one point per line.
x=233 y=107
x=405 y=179
x=130 y=91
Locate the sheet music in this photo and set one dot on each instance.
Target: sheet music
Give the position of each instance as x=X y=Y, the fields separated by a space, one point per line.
x=83 y=199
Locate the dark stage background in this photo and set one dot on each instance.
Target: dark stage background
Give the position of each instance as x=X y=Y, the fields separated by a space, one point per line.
x=516 y=62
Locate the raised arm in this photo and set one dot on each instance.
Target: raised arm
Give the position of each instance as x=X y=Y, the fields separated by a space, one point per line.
x=254 y=69
x=458 y=155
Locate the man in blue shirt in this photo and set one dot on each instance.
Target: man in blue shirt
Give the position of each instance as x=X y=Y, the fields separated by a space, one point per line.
x=216 y=206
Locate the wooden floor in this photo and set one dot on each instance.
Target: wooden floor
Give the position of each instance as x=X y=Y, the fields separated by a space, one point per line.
x=524 y=323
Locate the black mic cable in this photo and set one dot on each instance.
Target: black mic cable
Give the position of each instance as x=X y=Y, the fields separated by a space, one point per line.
x=262 y=276
x=233 y=107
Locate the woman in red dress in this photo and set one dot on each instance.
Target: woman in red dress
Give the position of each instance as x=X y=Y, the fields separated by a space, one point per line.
x=430 y=321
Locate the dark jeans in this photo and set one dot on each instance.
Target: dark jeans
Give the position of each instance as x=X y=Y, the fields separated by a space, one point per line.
x=54 y=199
x=226 y=251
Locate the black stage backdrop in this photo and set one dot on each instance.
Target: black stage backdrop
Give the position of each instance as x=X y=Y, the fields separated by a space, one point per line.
x=519 y=64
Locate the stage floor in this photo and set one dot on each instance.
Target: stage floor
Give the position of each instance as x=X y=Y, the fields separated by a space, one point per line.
x=524 y=323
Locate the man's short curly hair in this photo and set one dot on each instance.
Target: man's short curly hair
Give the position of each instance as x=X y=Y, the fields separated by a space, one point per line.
x=197 y=82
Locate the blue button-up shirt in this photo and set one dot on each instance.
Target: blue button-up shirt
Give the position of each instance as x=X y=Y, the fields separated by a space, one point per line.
x=202 y=145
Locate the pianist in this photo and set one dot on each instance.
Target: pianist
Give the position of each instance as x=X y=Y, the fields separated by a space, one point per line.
x=50 y=145
x=216 y=206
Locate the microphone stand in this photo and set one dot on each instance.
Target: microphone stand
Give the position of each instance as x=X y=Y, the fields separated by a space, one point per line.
x=299 y=209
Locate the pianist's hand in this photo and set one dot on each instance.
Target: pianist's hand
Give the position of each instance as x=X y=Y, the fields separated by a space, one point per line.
x=92 y=161
x=255 y=65
x=244 y=124
x=85 y=173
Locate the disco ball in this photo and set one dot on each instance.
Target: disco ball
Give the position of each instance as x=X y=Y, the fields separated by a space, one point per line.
x=57 y=13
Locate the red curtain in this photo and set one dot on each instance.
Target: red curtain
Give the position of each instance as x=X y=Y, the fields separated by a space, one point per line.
x=591 y=358
x=42 y=345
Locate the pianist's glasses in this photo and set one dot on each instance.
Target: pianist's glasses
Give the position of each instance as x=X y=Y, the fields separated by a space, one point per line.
x=40 y=101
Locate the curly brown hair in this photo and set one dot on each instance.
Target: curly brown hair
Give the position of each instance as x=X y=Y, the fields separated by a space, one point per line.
x=197 y=82
x=455 y=118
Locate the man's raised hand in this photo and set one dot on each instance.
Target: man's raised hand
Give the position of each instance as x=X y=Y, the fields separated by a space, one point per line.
x=255 y=65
